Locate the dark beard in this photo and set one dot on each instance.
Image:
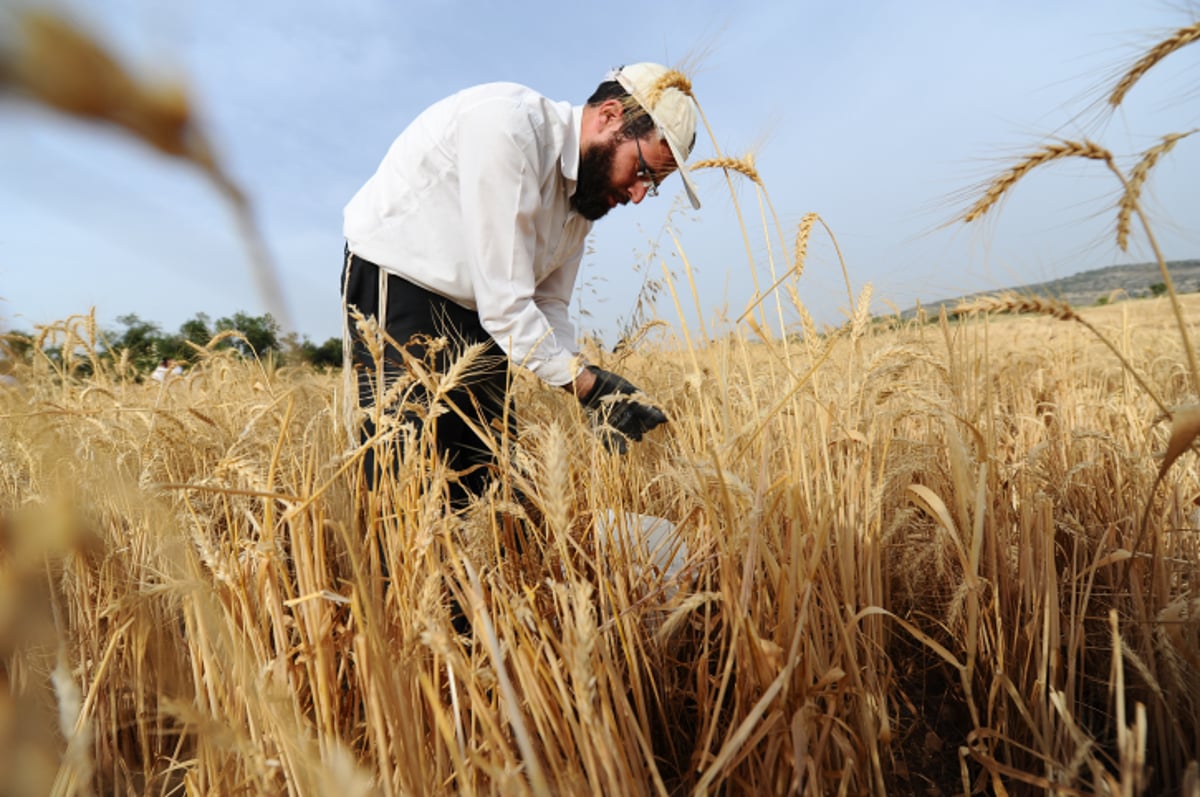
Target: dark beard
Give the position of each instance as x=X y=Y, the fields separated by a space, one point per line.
x=593 y=190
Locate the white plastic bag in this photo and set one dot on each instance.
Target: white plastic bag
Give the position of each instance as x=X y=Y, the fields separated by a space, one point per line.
x=645 y=540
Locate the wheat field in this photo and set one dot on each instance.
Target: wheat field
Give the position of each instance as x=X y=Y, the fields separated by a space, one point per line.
x=954 y=554
x=915 y=562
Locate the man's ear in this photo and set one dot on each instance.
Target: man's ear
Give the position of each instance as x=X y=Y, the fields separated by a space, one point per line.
x=610 y=116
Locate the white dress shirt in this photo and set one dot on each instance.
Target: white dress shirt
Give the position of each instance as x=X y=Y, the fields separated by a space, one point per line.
x=472 y=202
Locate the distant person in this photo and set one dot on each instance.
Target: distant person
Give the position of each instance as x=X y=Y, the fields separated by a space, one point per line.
x=166 y=367
x=473 y=229
x=160 y=373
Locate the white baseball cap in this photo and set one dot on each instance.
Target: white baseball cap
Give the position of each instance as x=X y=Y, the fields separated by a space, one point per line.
x=656 y=88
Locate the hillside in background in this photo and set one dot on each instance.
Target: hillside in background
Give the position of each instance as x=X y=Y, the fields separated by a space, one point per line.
x=1113 y=283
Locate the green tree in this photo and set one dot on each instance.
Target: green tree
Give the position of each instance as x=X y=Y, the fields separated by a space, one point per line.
x=1158 y=288
x=328 y=354
x=258 y=334
x=143 y=340
x=197 y=330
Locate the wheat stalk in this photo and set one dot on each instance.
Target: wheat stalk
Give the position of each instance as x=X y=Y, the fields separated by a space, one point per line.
x=1051 y=152
x=1137 y=179
x=794 y=271
x=1179 y=39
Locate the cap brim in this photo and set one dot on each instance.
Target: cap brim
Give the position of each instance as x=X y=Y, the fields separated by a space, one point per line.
x=681 y=167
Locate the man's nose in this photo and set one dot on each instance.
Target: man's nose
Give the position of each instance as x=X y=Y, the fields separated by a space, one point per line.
x=638 y=192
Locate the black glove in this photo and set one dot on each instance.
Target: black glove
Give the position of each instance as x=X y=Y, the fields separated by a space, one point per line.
x=619 y=415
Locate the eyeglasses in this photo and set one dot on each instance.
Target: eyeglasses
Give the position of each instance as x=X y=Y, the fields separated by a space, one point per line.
x=649 y=181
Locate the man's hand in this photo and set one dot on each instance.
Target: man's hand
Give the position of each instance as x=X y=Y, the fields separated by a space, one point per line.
x=621 y=416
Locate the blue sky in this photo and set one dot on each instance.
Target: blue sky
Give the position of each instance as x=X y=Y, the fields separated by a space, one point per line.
x=876 y=115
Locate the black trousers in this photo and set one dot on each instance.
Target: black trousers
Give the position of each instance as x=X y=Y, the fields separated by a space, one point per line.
x=412 y=317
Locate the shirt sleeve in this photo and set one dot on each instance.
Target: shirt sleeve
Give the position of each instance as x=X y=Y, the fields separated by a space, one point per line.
x=553 y=298
x=500 y=191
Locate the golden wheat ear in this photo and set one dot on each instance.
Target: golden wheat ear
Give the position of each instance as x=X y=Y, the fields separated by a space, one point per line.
x=1137 y=180
x=997 y=188
x=1176 y=41
x=743 y=166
